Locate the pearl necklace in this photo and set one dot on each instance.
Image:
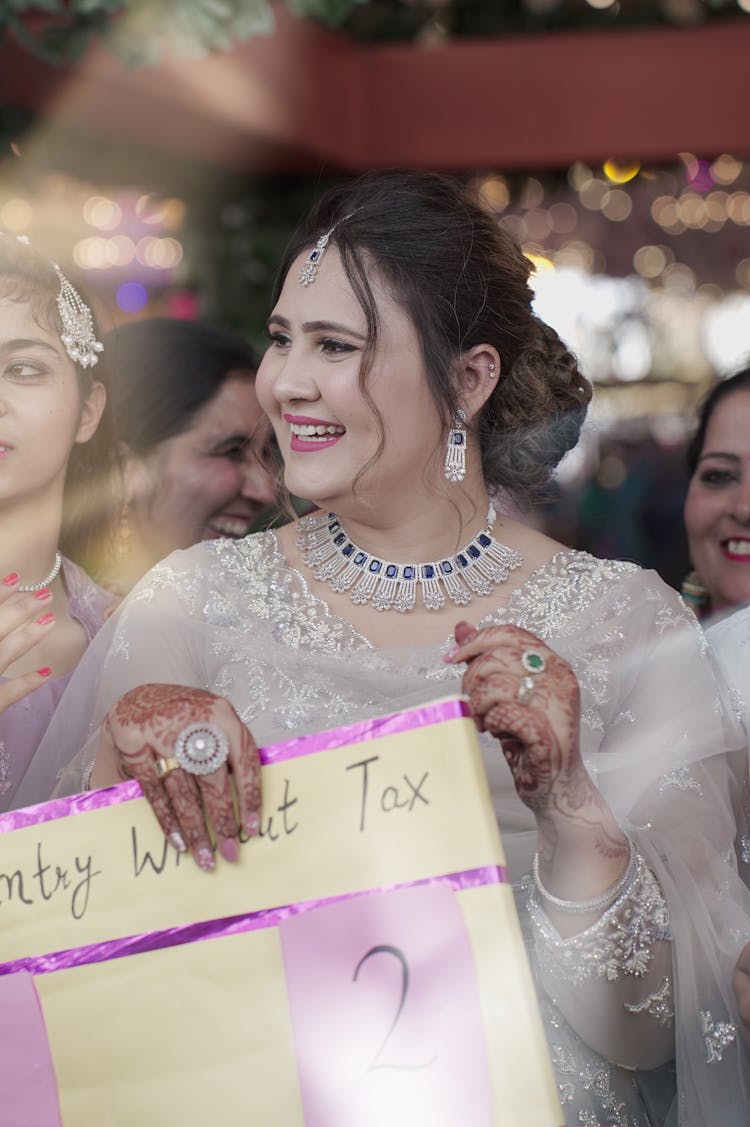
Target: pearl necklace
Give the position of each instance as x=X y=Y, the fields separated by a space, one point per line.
x=45 y=582
x=334 y=558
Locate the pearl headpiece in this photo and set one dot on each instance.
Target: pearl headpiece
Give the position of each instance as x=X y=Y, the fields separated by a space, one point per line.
x=78 y=338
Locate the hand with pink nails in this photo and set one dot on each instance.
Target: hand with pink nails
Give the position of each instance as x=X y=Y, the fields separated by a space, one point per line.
x=138 y=741
x=24 y=620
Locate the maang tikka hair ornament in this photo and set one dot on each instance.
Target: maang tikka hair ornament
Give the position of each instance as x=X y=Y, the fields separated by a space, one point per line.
x=309 y=271
x=77 y=337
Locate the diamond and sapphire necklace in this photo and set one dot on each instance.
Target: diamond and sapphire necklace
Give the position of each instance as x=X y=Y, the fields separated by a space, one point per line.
x=335 y=559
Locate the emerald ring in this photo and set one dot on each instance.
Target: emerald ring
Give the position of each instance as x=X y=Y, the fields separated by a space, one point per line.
x=533 y=662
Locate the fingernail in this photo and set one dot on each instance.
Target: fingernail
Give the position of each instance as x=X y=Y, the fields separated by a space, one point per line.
x=12 y=579
x=46 y=619
x=178 y=841
x=229 y=849
x=252 y=825
x=44 y=672
x=205 y=859
x=451 y=653
x=45 y=593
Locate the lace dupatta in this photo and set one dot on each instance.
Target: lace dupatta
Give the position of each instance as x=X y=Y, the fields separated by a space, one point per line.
x=233 y=618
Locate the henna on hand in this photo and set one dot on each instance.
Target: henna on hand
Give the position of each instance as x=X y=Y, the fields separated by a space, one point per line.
x=144 y=725
x=539 y=739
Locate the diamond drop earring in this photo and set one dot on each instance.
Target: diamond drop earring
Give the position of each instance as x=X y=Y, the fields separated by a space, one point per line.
x=455 y=454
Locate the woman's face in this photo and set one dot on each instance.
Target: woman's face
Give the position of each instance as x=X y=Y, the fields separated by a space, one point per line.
x=717 y=508
x=207 y=481
x=41 y=412
x=308 y=384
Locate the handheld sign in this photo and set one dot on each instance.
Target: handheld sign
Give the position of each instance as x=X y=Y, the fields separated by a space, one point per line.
x=361 y=964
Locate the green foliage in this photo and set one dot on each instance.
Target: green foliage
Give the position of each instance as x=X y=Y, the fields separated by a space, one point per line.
x=331 y=12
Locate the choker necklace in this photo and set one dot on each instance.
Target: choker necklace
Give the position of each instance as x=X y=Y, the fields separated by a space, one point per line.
x=45 y=582
x=338 y=561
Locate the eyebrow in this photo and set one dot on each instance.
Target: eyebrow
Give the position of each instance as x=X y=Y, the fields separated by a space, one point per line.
x=318 y=326
x=719 y=454
x=26 y=342
x=241 y=438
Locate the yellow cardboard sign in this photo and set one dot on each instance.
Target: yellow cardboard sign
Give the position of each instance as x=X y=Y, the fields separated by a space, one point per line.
x=292 y=987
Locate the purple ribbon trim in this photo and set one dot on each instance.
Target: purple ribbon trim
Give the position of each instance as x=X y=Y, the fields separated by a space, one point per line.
x=451 y=709
x=230 y=925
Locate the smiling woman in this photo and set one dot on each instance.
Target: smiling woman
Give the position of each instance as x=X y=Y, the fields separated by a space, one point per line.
x=407 y=380
x=55 y=491
x=717 y=507
x=192 y=437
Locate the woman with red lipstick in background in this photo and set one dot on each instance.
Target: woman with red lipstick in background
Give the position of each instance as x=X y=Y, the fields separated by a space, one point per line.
x=192 y=437
x=55 y=494
x=717 y=507
x=717 y=517
x=407 y=380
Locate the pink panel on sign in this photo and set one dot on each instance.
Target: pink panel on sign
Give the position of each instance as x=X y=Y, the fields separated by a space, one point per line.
x=28 y=1088
x=385 y=1012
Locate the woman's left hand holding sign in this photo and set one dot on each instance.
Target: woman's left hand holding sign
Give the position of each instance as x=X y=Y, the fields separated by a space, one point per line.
x=197 y=763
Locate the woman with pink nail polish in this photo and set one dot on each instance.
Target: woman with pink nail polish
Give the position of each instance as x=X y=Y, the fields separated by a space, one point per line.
x=408 y=380
x=53 y=446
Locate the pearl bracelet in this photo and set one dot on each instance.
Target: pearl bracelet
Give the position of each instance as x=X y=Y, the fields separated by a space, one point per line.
x=86 y=776
x=597 y=903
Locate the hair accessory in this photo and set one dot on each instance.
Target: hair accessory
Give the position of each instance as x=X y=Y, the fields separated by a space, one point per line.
x=77 y=336
x=455 y=454
x=47 y=580
x=201 y=748
x=597 y=903
x=332 y=557
x=309 y=271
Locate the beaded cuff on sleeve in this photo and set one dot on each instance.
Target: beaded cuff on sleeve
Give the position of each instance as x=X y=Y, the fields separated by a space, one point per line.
x=621 y=940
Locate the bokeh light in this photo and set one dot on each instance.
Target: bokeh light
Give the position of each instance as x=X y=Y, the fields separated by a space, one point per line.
x=132 y=297
x=102 y=213
x=17 y=215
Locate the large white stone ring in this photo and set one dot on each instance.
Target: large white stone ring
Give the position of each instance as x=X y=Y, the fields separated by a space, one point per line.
x=201 y=748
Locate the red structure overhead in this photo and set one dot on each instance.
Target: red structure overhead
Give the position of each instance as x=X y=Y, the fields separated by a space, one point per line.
x=307 y=99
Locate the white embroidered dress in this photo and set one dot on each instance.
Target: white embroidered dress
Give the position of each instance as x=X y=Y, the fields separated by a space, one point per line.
x=232 y=617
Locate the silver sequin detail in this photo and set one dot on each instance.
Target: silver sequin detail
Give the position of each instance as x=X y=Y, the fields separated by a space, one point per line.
x=620 y=942
x=682 y=780
x=717 y=1036
x=660 y=1004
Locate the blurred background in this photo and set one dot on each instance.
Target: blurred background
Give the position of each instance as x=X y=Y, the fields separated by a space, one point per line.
x=163 y=151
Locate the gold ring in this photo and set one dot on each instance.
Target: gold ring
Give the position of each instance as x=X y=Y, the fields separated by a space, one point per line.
x=165 y=764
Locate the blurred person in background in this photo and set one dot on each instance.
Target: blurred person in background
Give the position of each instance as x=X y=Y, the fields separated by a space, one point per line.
x=191 y=436
x=717 y=507
x=56 y=496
